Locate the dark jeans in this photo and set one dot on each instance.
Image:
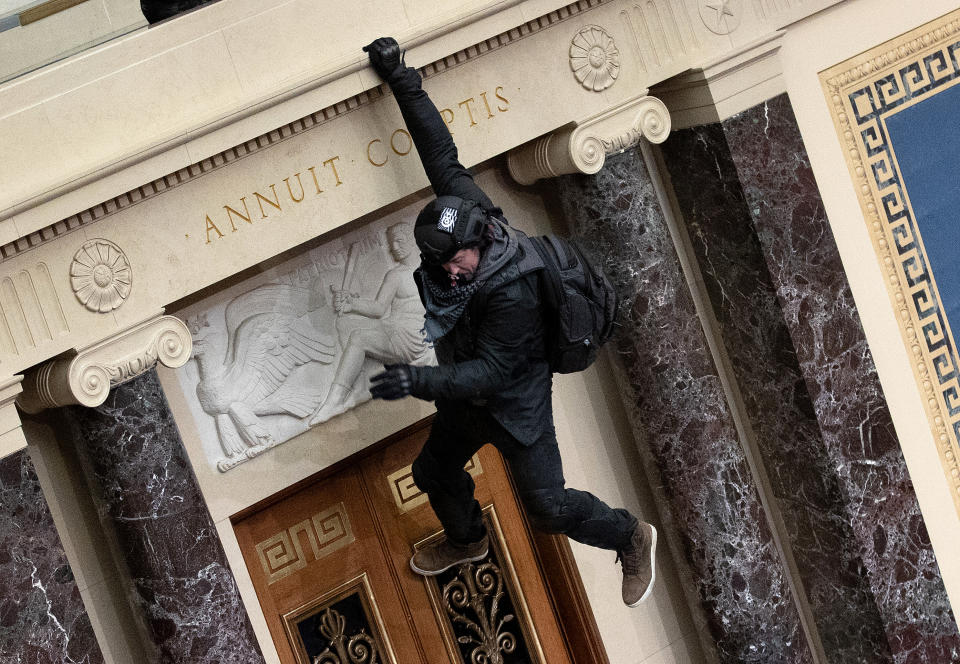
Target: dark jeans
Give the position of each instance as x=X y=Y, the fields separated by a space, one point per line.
x=459 y=431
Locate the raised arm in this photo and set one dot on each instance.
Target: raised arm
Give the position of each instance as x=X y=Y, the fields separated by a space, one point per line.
x=433 y=141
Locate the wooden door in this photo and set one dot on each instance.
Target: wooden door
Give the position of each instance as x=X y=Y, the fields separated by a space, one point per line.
x=330 y=564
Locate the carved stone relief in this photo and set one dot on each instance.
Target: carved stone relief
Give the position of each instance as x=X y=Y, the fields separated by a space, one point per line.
x=291 y=348
x=594 y=58
x=721 y=16
x=101 y=276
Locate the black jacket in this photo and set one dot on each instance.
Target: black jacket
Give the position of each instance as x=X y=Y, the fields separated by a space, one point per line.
x=495 y=354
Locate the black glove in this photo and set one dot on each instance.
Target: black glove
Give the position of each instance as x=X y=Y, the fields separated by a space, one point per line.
x=385 y=56
x=395 y=382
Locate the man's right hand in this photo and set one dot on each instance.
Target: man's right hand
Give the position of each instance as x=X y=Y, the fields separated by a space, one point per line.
x=385 y=56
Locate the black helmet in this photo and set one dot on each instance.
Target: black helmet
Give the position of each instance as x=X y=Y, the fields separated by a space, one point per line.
x=445 y=226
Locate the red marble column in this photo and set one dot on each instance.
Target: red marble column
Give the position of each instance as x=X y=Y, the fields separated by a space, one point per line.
x=687 y=436
x=180 y=578
x=42 y=617
x=791 y=330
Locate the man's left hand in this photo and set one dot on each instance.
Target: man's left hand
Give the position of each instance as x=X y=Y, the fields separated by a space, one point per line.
x=385 y=56
x=395 y=382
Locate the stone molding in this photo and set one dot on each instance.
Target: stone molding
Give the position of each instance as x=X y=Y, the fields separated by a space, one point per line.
x=85 y=377
x=727 y=85
x=256 y=144
x=11 y=435
x=584 y=146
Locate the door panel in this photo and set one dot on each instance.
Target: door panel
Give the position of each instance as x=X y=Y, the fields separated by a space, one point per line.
x=330 y=564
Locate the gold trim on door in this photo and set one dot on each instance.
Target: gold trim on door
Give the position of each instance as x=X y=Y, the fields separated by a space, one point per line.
x=483 y=578
x=408 y=495
x=372 y=648
x=282 y=554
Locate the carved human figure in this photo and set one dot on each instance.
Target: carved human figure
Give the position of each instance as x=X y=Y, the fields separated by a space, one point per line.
x=394 y=337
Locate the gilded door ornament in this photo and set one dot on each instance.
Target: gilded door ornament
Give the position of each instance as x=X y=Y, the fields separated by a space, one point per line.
x=357 y=649
x=594 y=58
x=407 y=495
x=326 y=531
x=721 y=16
x=101 y=276
x=473 y=600
x=481 y=608
x=342 y=626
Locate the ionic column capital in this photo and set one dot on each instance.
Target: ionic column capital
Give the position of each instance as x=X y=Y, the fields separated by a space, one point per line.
x=583 y=146
x=86 y=376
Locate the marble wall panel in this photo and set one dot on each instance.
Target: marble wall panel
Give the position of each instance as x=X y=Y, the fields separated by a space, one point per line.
x=42 y=617
x=801 y=475
x=149 y=498
x=839 y=375
x=677 y=405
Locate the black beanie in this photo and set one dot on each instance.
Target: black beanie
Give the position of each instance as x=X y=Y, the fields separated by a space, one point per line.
x=445 y=226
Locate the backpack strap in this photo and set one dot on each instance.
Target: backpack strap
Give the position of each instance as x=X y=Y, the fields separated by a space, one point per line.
x=531 y=261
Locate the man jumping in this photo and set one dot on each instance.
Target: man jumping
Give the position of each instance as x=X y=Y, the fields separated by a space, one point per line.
x=493 y=383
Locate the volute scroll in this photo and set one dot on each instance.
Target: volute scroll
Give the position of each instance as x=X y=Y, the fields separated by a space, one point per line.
x=86 y=376
x=582 y=147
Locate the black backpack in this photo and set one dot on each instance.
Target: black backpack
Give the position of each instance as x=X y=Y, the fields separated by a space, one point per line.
x=579 y=302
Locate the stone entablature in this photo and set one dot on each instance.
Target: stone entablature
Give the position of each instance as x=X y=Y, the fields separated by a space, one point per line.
x=159 y=100
x=247 y=199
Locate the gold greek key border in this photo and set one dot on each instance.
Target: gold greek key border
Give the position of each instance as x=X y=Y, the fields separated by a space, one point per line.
x=359 y=584
x=282 y=554
x=408 y=495
x=247 y=148
x=870 y=69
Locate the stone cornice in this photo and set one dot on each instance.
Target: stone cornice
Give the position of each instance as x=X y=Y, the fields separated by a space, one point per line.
x=11 y=435
x=584 y=146
x=34 y=238
x=86 y=376
x=726 y=85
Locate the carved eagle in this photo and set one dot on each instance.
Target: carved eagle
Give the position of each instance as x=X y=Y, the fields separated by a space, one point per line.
x=270 y=332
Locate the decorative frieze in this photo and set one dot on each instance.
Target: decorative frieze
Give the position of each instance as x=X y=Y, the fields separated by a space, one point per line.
x=584 y=147
x=86 y=377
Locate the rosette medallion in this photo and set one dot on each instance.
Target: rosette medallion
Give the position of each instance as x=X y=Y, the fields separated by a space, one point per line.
x=101 y=276
x=594 y=58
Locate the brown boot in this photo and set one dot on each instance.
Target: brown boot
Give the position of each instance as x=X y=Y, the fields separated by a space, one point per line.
x=638 y=560
x=443 y=554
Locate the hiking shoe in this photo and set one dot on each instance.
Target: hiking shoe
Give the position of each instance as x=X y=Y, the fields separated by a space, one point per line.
x=443 y=554
x=639 y=571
